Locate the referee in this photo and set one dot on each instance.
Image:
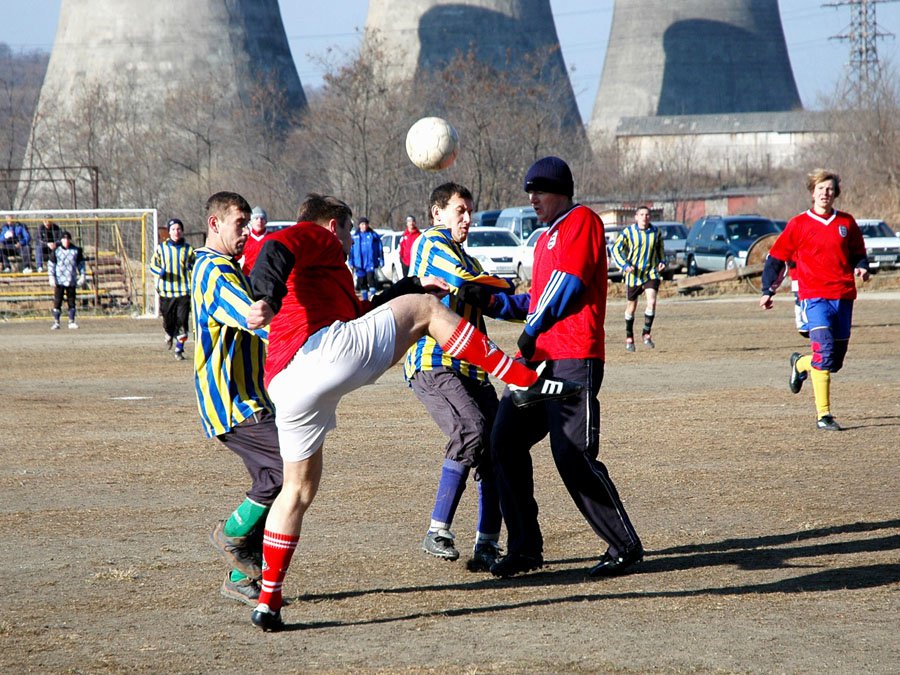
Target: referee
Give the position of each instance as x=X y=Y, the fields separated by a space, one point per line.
x=639 y=253
x=172 y=263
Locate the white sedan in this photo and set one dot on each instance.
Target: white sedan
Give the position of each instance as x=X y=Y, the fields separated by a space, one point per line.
x=882 y=245
x=524 y=256
x=494 y=248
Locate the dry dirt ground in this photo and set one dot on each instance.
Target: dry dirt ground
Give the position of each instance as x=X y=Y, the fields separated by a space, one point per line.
x=771 y=547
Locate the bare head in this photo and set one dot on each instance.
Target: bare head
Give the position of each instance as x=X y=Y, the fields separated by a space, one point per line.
x=451 y=206
x=227 y=215
x=328 y=212
x=825 y=187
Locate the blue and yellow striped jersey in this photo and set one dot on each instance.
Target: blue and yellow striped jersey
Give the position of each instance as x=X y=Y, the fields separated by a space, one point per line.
x=172 y=264
x=641 y=249
x=436 y=254
x=228 y=357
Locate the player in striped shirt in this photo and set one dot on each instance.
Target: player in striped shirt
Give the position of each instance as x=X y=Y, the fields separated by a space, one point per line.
x=457 y=394
x=639 y=253
x=172 y=262
x=235 y=408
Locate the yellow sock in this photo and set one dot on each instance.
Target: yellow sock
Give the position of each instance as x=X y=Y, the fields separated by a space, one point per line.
x=821 y=382
x=804 y=364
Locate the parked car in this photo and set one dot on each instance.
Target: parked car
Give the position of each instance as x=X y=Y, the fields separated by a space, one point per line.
x=523 y=259
x=494 y=248
x=882 y=244
x=275 y=225
x=485 y=218
x=520 y=220
x=717 y=243
x=611 y=232
x=390 y=245
x=674 y=236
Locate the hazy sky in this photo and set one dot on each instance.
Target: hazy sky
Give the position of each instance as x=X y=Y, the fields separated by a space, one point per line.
x=313 y=27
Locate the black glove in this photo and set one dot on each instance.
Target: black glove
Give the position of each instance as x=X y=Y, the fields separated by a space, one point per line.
x=403 y=287
x=526 y=345
x=475 y=295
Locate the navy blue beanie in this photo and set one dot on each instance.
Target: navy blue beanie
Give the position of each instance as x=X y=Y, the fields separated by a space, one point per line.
x=550 y=174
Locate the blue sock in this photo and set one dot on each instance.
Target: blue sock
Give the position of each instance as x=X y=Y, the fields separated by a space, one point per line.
x=450 y=490
x=489 y=518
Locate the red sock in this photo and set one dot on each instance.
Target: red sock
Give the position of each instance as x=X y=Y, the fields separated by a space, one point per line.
x=278 y=549
x=470 y=344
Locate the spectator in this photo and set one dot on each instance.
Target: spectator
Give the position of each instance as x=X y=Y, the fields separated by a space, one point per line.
x=366 y=256
x=48 y=236
x=172 y=263
x=66 y=270
x=407 y=240
x=256 y=235
x=15 y=240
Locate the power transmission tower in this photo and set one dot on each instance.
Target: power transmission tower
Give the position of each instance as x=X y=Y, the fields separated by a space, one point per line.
x=863 y=34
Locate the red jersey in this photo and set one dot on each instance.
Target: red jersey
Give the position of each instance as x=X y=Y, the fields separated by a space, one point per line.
x=319 y=292
x=407 y=239
x=574 y=244
x=251 y=250
x=825 y=251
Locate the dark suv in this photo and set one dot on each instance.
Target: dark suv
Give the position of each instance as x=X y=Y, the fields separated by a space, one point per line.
x=721 y=242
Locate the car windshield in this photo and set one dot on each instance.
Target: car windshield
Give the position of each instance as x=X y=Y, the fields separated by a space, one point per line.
x=529 y=225
x=750 y=229
x=673 y=231
x=879 y=229
x=532 y=240
x=492 y=238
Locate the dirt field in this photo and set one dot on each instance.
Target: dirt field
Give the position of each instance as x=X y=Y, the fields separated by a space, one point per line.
x=771 y=547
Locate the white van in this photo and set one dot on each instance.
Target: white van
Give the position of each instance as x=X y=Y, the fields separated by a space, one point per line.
x=520 y=220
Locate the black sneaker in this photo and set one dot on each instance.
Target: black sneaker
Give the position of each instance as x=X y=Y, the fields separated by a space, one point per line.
x=614 y=566
x=544 y=389
x=797 y=378
x=483 y=557
x=235 y=551
x=516 y=563
x=828 y=423
x=179 y=355
x=440 y=544
x=265 y=618
x=245 y=590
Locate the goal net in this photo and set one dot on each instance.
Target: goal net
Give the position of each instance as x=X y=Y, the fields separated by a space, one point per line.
x=118 y=245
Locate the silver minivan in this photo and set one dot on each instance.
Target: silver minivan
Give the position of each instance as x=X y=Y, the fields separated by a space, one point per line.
x=520 y=220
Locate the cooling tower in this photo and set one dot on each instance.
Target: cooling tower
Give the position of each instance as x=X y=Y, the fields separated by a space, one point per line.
x=422 y=35
x=693 y=57
x=201 y=53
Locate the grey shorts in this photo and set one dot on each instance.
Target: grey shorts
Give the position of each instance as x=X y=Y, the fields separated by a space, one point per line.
x=463 y=408
x=255 y=441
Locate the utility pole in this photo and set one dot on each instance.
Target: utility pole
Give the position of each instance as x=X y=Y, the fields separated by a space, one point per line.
x=863 y=34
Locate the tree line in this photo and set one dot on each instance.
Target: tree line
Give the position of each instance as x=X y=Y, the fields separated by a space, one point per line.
x=349 y=141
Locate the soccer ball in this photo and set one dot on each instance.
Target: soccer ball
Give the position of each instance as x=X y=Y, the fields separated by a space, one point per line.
x=432 y=144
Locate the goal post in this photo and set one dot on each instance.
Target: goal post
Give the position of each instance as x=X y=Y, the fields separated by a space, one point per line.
x=118 y=245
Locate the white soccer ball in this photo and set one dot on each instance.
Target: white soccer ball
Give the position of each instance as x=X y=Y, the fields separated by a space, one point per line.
x=432 y=144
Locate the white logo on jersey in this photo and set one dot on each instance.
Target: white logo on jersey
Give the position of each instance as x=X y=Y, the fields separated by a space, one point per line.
x=552 y=242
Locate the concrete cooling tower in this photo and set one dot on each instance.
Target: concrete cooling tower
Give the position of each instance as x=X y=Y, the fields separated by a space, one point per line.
x=148 y=50
x=693 y=57
x=422 y=35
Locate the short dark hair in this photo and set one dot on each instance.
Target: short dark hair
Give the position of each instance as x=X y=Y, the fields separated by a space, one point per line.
x=218 y=203
x=442 y=194
x=316 y=208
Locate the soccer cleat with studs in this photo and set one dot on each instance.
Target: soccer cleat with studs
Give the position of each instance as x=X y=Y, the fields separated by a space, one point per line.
x=246 y=590
x=265 y=618
x=516 y=563
x=648 y=341
x=483 y=557
x=235 y=550
x=544 y=389
x=440 y=545
x=797 y=378
x=828 y=423
x=629 y=344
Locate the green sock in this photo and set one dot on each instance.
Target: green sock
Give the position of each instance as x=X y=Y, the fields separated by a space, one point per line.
x=237 y=575
x=244 y=519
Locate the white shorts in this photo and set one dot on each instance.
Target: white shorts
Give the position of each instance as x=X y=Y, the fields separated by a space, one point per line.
x=334 y=361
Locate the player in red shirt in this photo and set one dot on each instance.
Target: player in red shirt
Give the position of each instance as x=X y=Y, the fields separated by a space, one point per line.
x=564 y=330
x=255 y=237
x=324 y=342
x=828 y=249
